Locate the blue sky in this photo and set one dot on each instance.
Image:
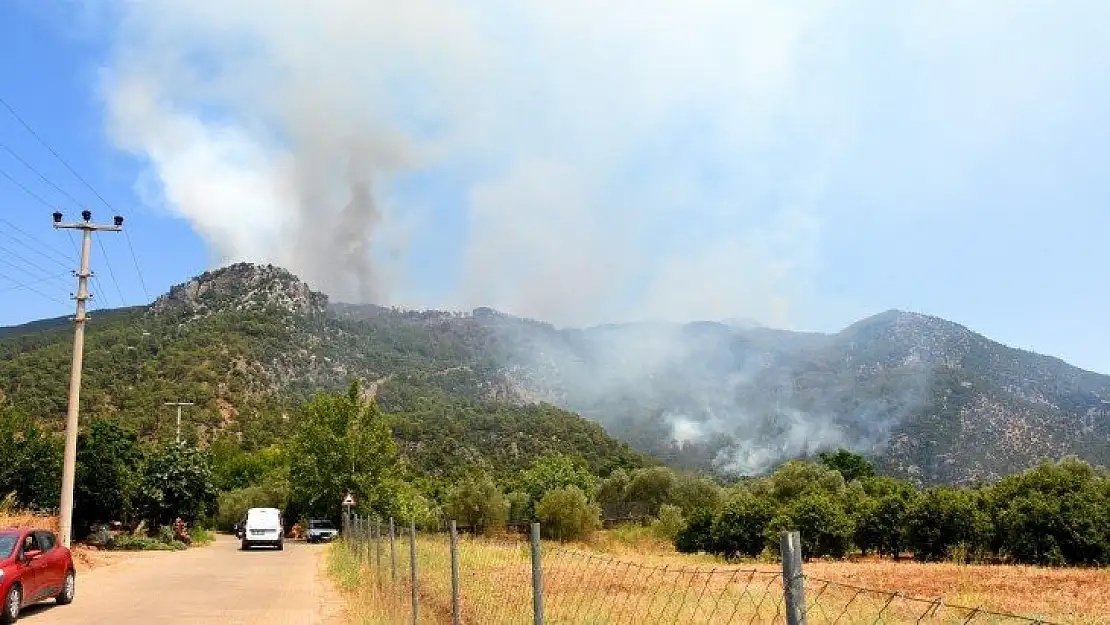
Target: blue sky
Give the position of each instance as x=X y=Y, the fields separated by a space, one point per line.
x=801 y=166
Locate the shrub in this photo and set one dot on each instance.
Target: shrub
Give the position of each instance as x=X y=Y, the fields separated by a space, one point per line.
x=479 y=503
x=669 y=523
x=566 y=514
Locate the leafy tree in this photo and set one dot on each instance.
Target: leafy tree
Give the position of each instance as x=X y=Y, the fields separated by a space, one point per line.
x=232 y=505
x=825 y=526
x=518 y=503
x=881 y=522
x=944 y=519
x=177 y=482
x=614 y=488
x=342 y=445
x=740 y=527
x=32 y=462
x=478 y=502
x=695 y=492
x=696 y=536
x=653 y=486
x=1053 y=514
x=553 y=473
x=109 y=461
x=567 y=514
x=796 y=478
x=851 y=465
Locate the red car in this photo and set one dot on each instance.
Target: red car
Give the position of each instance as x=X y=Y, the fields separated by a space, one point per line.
x=33 y=566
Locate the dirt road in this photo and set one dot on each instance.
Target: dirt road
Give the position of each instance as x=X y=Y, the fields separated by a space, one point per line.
x=213 y=584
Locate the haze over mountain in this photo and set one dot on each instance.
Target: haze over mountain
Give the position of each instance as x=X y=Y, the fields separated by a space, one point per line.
x=929 y=399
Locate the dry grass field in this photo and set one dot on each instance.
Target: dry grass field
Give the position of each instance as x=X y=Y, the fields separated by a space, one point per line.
x=612 y=581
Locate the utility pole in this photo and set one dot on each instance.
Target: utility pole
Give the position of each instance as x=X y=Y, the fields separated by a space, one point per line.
x=179 y=404
x=69 y=462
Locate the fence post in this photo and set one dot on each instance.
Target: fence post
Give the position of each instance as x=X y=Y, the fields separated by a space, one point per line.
x=378 y=549
x=456 y=615
x=537 y=577
x=392 y=553
x=412 y=572
x=793 y=582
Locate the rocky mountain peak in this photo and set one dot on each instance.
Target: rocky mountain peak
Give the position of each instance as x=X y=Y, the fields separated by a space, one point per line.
x=242 y=287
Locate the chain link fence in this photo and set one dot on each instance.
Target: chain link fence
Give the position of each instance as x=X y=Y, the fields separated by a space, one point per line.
x=448 y=577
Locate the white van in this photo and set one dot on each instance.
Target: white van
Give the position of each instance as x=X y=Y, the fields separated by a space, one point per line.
x=262 y=526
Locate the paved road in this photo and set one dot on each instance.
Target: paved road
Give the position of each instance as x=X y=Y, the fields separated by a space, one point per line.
x=213 y=584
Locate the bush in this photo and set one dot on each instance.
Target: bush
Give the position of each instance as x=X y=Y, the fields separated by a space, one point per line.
x=125 y=542
x=669 y=523
x=478 y=503
x=740 y=528
x=566 y=514
x=696 y=536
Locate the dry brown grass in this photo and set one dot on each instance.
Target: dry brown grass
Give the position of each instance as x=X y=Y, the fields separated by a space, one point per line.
x=642 y=580
x=15 y=518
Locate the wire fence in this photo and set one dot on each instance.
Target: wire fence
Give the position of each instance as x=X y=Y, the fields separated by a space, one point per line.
x=445 y=577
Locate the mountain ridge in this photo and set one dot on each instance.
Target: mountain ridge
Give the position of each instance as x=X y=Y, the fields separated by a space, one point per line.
x=929 y=399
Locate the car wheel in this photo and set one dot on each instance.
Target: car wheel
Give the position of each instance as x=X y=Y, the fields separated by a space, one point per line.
x=281 y=546
x=69 y=588
x=244 y=546
x=12 y=603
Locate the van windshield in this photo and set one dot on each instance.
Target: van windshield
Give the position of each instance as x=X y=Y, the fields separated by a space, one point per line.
x=321 y=525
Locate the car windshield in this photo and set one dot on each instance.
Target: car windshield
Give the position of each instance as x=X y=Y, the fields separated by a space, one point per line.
x=321 y=525
x=7 y=544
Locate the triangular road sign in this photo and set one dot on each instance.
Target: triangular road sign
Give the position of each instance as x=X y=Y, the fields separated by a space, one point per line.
x=348 y=500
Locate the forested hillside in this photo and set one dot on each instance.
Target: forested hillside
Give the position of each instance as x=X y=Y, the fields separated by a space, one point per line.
x=926 y=399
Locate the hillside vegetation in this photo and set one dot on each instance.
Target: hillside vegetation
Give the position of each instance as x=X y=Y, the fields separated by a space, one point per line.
x=927 y=400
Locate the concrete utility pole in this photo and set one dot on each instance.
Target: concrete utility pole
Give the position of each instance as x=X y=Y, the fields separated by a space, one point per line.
x=179 y=404
x=69 y=466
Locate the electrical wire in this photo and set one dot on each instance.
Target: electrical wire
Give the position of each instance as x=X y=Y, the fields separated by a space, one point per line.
x=127 y=236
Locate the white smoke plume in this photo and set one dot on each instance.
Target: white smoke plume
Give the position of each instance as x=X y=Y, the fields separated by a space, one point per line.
x=572 y=161
x=582 y=162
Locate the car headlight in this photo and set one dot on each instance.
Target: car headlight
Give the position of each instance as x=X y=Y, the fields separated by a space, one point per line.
x=1 y=575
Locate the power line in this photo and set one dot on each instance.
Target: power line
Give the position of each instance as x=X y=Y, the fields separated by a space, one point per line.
x=25 y=189
x=43 y=245
x=39 y=281
x=63 y=161
x=40 y=174
x=36 y=250
x=10 y=252
x=111 y=272
x=20 y=284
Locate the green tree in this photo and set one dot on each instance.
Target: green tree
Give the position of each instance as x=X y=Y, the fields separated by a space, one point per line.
x=109 y=462
x=944 y=519
x=652 y=486
x=567 y=514
x=851 y=465
x=881 y=522
x=741 y=525
x=342 y=445
x=696 y=536
x=825 y=526
x=1055 y=513
x=32 y=462
x=556 y=472
x=177 y=482
x=613 y=489
x=695 y=492
x=477 y=502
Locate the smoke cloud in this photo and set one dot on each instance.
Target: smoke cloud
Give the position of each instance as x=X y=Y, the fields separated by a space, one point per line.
x=581 y=162
x=575 y=162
